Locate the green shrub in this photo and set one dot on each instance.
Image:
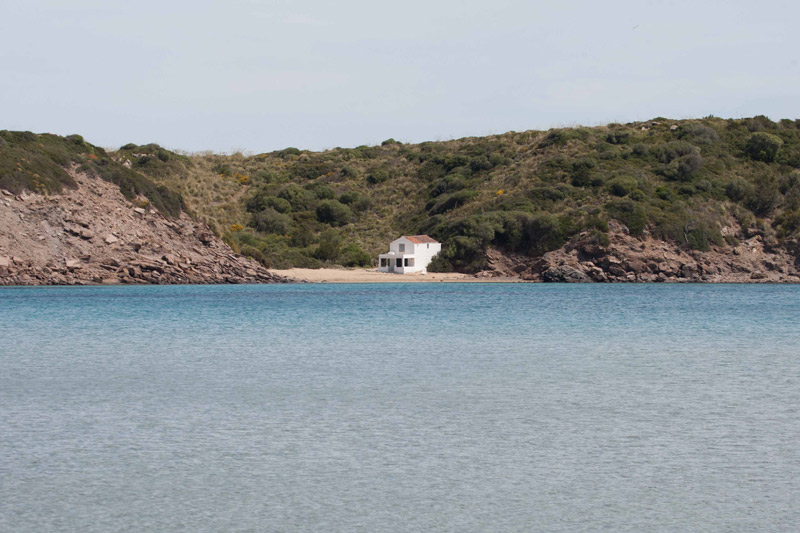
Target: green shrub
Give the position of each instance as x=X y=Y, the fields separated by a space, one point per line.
x=480 y=163
x=763 y=146
x=582 y=171
x=322 y=191
x=263 y=199
x=542 y=233
x=356 y=201
x=738 y=189
x=301 y=238
x=630 y=213
x=287 y=153
x=353 y=256
x=698 y=133
x=700 y=234
x=621 y=185
x=330 y=245
x=310 y=168
x=764 y=196
x=688 y=165
x=271 y=221
x=350 y=172
x=618 y=137
x=378 y=176
x=334 y=213
x=300 y=199
x=788 y=223
x=666 y=153
x=440 y=263
x=759 y=123
x=451 y=201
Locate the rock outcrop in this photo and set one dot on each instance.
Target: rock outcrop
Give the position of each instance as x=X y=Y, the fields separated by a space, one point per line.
x=94 y=235
x=625 y=258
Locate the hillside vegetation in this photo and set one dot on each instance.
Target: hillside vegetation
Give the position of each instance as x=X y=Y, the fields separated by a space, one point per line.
x=524 y=193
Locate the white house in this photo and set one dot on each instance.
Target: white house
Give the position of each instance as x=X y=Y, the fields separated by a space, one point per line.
x=410 y=253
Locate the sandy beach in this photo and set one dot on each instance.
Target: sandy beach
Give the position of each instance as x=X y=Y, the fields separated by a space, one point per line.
x=366 y=275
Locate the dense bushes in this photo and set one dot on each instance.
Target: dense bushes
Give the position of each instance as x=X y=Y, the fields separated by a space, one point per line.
x=698 y=133
x=271 y=221
x=763 y=146
x=330 y=245
x=451 y=201
x=334 y=213
x=353 y=256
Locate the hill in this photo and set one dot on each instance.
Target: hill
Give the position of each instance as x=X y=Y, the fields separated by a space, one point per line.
x=706 y=199
x=706 y=186
x=69 y=214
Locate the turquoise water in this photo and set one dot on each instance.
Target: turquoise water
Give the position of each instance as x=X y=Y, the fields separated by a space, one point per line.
x=400 y=407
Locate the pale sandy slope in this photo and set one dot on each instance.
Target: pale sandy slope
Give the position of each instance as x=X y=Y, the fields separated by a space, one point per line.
x=363 y=275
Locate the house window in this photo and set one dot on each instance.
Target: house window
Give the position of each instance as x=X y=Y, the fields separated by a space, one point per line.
x=409 y=261
x=383 y=261
x=428 y=246
x=401 y=247
x=399 y=262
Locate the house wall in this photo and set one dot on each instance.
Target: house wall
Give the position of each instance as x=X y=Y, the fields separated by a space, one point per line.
x=394 y=246
x=423 y=253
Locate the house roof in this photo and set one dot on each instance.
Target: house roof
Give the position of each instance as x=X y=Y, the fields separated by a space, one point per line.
x=420 y=239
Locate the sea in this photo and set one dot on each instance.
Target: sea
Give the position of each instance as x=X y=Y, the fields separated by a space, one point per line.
x=400 y=407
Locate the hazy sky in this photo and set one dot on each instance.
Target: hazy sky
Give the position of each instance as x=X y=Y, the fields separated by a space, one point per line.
x=261 y=75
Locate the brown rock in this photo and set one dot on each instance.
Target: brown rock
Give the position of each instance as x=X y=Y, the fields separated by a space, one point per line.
x=564 y=274
x=689 y=270
x=616 y=269
x=637 y=266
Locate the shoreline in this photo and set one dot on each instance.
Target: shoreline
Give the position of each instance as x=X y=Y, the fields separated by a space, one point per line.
x=370 y=275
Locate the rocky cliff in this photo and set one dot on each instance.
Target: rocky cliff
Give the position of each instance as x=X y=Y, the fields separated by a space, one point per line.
x=94 y=235
x=620 y=257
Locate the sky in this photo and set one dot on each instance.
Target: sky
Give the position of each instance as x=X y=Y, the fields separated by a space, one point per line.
x=262 y=75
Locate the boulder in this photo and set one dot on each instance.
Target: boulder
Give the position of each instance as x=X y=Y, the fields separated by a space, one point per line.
x=564 y=274
x=111 y=239
x=689 y=270
x=636 y=266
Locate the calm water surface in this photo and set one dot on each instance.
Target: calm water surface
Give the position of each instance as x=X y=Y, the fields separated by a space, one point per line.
x=400 y=407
